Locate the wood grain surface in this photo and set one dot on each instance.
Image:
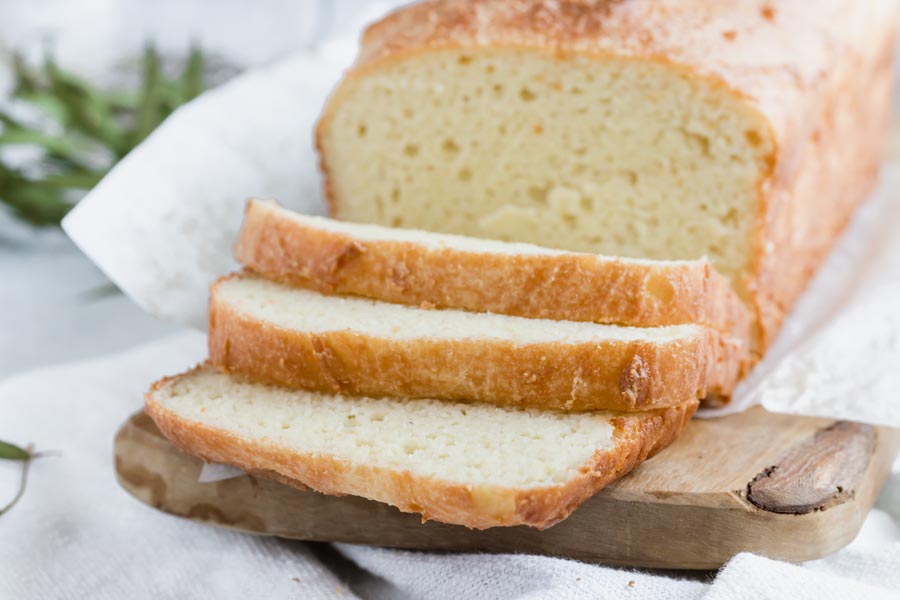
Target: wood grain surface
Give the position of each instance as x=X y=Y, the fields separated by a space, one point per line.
x=790 y=488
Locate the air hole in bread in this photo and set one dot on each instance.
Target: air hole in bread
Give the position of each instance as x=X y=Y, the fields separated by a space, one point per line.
x=449 y=146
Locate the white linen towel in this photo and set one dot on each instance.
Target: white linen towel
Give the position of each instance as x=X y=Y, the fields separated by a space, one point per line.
x=76 y=534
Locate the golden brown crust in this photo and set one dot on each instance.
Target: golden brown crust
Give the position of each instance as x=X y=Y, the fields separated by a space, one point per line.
x=571 y=286
x=819 y=78
x=825 y=174
x=639 y=436
x=613 y=374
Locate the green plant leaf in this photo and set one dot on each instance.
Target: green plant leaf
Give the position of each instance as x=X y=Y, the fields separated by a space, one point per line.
x=126 y=101
x=149 y=111
x=78 y=179
x=32 y=201
x=86 y=109
x=26 y=457
x=192 y=76
x=8 y=121
x=95 y=129
x=47 y=103
x=101 y=291
x=23 y=483
x=62 y=146
x=26 y=81
x=12 y=452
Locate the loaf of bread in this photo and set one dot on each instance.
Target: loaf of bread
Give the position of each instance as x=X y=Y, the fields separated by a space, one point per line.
x=742 y=130
x=474 y=465
x=449 y=271
x=298 y=338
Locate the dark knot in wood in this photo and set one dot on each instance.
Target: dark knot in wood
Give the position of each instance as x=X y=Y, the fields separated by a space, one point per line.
x=816 y=474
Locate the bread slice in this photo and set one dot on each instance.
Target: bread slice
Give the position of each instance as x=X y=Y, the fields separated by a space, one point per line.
x=745 y=131
x=470 y=464
x=449 y=271
x=302 y=339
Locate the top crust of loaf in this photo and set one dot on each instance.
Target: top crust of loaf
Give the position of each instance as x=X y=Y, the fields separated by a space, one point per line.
x=546 y=284
x=771 y=53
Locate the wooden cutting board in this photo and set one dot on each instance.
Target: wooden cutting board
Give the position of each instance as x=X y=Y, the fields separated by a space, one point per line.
x=790 y=488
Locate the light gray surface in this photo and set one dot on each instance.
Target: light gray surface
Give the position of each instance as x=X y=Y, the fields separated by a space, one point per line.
x=56 y=306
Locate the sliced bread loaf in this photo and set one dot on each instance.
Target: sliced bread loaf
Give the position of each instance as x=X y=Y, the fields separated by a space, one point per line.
x=299 y=338
x=745 y=131
x=450 y=271
x=470 y=464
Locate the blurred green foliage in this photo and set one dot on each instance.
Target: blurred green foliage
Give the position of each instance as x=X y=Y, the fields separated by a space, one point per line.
x=81 y=131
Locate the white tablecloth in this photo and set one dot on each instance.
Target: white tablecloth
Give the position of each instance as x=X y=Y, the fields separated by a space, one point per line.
x=76 y=534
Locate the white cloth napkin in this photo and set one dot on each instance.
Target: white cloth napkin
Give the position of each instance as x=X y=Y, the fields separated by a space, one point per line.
x=163 y=223
x=76 y=534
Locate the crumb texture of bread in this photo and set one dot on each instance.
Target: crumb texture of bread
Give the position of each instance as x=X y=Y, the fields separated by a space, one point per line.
x=742 y=131
x=306 y=310
x=482 y=275
x=471 y=464
x=302 y=339
x=558 y=153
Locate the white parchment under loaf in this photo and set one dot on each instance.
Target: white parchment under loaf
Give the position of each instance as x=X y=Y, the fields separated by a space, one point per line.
x=163 y=223
x=838 y=354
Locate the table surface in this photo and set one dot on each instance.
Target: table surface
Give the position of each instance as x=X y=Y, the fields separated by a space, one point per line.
x=56 y=306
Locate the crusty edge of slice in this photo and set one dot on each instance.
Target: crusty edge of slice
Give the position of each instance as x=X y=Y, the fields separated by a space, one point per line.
x=638 y=436
x=617 y=375
x=571 y=286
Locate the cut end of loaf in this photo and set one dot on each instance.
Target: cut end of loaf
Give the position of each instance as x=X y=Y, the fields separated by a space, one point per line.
x=475 y=465
x=524 y=146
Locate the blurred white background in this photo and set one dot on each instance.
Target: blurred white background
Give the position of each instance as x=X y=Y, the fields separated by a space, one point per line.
x=55 y=305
